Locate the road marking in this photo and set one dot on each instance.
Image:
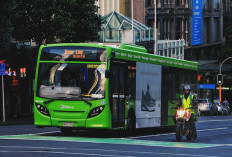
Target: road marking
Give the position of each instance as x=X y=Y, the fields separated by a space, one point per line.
x=86 y=154
x=111 y=141
x=152 y=135
x=213 y=129
x=174 y=133
x=203 y=121
x=41 y=133
x=106 y=150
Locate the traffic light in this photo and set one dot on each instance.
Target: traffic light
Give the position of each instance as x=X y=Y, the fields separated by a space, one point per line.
x=199 y=78
x=219 y=79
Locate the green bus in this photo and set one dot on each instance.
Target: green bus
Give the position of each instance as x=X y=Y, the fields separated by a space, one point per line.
x=97 y=86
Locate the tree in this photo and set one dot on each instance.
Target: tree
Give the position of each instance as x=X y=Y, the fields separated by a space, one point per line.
x=227 y=46
x=6 y=27
x=57 y=20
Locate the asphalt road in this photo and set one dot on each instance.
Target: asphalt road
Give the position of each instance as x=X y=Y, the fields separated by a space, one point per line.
x=214 y=139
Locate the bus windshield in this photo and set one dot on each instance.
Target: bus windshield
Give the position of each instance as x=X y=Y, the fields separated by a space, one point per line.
x=69 y=80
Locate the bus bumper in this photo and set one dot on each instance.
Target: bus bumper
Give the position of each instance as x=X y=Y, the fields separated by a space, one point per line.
x=102 y=121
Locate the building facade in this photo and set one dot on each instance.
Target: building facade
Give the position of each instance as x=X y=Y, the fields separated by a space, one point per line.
x=227 y=13
x=123 y=7
x=174 y=21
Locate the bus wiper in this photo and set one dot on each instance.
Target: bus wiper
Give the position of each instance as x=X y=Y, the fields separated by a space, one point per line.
x=89 y=103
x=46 y=102
x=51 y=100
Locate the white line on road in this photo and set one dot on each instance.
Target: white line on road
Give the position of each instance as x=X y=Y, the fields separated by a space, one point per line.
x=223 y=120
x=174 y=133
x=213 y=129
x=151 y=135
x=86 y=154
x=104 y=150
x=41 y=133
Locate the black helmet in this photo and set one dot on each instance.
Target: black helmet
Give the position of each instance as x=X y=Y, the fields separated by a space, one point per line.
x=187 y=87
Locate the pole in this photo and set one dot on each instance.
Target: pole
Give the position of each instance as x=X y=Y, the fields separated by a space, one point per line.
x=3 y=105
x=132 y=16
x=220 y=93
x=155 y=27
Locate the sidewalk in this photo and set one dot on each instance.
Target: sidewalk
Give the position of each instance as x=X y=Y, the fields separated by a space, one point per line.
x=18 y=121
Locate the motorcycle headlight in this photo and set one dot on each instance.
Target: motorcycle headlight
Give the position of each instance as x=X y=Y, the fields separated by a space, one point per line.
x=181 y=113
x=96 y=111
x=42 y=109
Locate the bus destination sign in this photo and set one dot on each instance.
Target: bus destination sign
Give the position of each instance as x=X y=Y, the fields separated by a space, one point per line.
x=73 y=54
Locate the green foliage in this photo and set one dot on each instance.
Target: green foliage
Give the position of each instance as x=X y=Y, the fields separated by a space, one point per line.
x=227 y=46
x=49 y=20
x=6 y=11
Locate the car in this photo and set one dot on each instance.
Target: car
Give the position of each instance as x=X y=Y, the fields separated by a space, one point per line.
x=205 y=106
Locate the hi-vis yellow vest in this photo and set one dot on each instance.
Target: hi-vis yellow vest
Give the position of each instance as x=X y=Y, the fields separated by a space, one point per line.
x=187 y=103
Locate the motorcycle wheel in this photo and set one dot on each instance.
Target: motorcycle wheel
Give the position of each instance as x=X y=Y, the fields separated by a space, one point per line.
x=179 y=132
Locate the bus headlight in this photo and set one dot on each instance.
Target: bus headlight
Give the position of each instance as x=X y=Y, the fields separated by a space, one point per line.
x=96 y=111
x=42 y=109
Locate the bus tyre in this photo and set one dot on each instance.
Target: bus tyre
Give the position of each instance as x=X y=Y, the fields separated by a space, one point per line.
x=66 y=131
x=179 y=132
x=131 y=123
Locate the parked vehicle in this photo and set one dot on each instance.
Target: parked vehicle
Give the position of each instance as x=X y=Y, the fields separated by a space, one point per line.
x=205 y=106
x=183 y=127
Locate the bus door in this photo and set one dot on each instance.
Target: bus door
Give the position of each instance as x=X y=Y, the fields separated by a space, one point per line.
x=117 y=94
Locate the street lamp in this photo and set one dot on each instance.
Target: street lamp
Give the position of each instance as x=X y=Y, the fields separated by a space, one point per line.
x=132 y=16
x=220 y=73
x=155 y=27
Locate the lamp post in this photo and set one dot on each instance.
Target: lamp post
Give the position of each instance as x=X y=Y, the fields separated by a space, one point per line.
x=220 y=72
x=132 y=16
x=155 y=27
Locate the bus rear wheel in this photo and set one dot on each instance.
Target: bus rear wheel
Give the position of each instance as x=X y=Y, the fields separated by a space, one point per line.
x=66 y=131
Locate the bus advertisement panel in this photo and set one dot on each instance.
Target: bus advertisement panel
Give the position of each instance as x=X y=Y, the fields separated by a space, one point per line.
x=148 y=95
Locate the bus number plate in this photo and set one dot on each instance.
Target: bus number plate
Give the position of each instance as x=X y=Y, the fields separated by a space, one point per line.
x=68 y=124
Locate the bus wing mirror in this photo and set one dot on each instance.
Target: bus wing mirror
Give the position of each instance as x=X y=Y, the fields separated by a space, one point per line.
x=112 y=54
x=107 y=73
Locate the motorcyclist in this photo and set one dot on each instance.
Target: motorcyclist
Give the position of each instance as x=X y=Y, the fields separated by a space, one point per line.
x=188 y=100
x=226 y=102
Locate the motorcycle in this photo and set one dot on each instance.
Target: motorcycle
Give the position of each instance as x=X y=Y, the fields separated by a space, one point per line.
x=183 y=127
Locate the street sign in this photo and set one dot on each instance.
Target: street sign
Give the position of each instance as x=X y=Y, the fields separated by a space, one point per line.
x=206 y=86
x=197 y=22
x=2 y=68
